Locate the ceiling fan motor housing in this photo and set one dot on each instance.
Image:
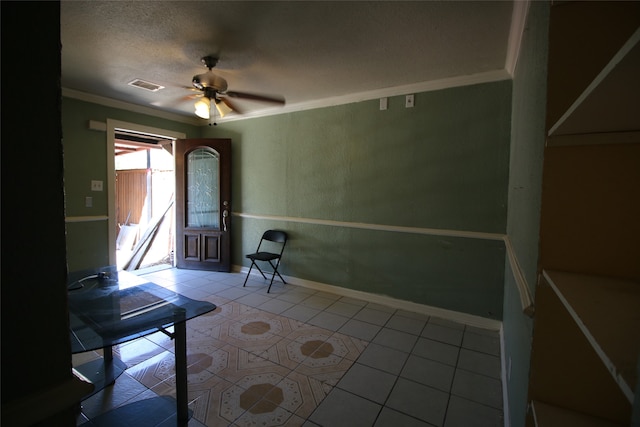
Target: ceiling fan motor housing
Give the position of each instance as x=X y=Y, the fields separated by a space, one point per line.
x=209 y=79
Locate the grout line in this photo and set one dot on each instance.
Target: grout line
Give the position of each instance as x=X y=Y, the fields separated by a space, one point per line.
x=332 y=333
x=455 y=370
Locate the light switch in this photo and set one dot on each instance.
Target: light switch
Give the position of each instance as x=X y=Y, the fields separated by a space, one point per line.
x=96 y=185
x=383 y=103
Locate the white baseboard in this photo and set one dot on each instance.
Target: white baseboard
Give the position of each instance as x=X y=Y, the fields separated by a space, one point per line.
x=456 y=316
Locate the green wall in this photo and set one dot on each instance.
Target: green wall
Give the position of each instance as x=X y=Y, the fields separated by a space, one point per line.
x=337 y=179
x=525 y=188
x=85 y=159
x=443 y=164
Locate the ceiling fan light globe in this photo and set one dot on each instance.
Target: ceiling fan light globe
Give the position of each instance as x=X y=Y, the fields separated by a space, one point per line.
x=223 y=108
x=203 y=107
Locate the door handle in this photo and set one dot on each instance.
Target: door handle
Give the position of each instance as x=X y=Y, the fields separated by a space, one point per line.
x=225 y=214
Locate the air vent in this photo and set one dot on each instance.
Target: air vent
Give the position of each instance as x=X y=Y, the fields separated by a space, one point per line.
x=143 y=84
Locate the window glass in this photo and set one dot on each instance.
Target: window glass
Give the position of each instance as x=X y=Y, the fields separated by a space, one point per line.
x=202 y=198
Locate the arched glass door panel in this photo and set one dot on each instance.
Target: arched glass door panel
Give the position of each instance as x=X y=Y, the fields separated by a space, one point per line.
x=202 y=204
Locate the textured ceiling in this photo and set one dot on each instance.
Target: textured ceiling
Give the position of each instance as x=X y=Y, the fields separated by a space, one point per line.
x=304 y=51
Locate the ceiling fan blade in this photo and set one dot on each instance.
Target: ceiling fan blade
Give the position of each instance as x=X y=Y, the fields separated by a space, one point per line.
x=177 y=101
x=254 y=97
x=190 y=97
x=231 y=105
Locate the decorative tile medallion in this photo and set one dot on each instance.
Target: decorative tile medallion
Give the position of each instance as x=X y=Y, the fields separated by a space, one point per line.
x=252 y=368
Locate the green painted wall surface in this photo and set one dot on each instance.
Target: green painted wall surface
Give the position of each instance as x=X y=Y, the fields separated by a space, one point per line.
x=87 y=245
x=85 y=159
x=525 y=187
x=442 y=164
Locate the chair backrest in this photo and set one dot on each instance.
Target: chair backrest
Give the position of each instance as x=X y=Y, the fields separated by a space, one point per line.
x=275 y=236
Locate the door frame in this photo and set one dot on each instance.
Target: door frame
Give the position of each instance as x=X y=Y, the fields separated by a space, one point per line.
x=112 y=126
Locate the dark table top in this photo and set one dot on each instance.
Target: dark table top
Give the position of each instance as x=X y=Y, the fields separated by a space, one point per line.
x=108 y=307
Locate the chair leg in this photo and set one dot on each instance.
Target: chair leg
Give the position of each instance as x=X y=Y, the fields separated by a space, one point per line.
x=248 y=273
x=271 y=283
x=275 y=271
x=283 y=281
x=261 y=272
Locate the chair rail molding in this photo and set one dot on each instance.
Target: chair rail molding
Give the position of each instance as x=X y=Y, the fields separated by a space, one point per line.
x=526 y=298
x=378 y=227
x=86 y=218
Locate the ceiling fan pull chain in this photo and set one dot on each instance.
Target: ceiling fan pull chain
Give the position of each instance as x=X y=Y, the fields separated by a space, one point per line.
x=213 y=117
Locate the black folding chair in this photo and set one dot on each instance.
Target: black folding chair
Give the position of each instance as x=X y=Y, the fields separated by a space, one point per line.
x=278 y=238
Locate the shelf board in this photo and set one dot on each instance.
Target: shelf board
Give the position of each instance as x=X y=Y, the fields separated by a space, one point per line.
x=100 y=374
x=609 y=103
x=583 y=38
x=632 y=137
x=607 y=311
x=546 y=415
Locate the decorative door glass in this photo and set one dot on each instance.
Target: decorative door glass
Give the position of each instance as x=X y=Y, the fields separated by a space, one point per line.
x=203 y=188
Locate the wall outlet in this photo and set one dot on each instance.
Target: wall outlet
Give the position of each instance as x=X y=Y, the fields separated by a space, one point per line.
x=408 y=101
x=384 y=103
x=96 y=185
x=88 y=202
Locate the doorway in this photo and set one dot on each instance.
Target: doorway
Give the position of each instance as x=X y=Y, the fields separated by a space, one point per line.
x=141 y=200
x=203 y=204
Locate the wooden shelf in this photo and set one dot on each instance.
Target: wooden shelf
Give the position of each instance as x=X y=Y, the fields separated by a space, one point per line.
x=594 y=58
x=607 y=311
x=586 y=337
x=608 y=104
x=546 y=415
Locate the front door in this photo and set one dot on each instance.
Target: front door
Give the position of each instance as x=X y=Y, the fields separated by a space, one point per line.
x=203 y=204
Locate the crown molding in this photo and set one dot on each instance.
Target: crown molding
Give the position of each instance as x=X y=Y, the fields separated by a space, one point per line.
x=518 y=24
x=134 y=108
x=428 y=86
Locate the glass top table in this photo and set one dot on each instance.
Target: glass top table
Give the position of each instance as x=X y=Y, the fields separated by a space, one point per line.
x=109 y=307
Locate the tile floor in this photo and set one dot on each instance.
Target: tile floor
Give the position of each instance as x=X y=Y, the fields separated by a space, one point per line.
x=299 y=357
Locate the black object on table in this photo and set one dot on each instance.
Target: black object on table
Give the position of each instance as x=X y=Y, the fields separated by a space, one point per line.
x=109 y=307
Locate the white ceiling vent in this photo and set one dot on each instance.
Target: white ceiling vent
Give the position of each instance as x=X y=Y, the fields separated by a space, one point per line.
x=143 y=84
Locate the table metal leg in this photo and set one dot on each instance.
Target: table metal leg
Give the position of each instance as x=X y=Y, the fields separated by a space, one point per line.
x=107 y=358
x=180 y=346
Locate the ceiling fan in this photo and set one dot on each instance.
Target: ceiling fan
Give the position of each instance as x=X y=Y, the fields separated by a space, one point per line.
x=214 y=90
